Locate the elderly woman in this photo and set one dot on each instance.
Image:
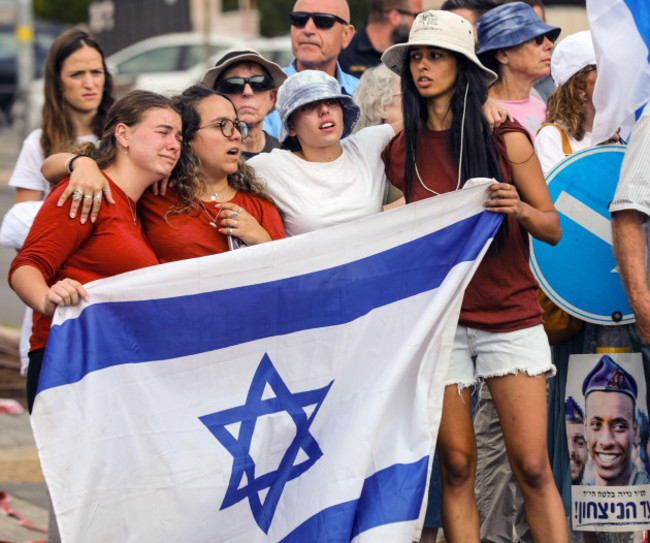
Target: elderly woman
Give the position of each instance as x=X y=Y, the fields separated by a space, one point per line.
x=379 y=97
x=141 y=144
x=516 y=45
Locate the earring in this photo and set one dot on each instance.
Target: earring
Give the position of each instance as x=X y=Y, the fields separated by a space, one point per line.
x=126 y=149
x=585 y=97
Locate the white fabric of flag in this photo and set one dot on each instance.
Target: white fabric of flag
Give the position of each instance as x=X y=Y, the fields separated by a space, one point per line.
x=289 y=391
x=621 y=33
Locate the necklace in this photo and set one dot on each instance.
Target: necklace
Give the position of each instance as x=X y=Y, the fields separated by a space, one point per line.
x=213 y=220
x=215 y=195
x=417 y=173
x=132 y=209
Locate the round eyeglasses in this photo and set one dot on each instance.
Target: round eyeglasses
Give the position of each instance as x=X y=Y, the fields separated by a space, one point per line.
x=228 y=127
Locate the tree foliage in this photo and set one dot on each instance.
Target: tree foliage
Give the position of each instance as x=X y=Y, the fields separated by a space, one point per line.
x=62 y=11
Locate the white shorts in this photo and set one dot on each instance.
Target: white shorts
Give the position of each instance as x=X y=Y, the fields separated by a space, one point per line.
x=478 y=355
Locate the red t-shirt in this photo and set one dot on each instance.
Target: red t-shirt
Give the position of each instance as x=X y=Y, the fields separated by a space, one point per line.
x=60 y=247
x=177 y=236
x=502 y=296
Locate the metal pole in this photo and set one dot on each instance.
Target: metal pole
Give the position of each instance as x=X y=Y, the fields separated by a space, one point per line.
x=25 y=57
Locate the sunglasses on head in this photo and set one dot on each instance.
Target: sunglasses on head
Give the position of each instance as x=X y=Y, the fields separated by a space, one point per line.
x=550 y=36
x=235 y=85
x=321 y=20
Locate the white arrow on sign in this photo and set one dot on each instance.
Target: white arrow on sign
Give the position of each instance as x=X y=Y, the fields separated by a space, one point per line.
x=586 y=217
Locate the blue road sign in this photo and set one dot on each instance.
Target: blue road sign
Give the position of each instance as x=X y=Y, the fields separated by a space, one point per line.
x=580 y=274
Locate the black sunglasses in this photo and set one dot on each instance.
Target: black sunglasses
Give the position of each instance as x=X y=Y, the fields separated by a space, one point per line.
x=321 y=20
x=235 y=85
x=550 y=36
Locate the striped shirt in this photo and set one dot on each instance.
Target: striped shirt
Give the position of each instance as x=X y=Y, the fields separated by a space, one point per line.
x=633 y=191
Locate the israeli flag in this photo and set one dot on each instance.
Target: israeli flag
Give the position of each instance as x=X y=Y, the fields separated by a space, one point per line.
x=285 y=392
x=621 y=35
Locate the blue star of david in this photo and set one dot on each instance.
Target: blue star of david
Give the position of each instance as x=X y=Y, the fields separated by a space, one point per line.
x=239 y=447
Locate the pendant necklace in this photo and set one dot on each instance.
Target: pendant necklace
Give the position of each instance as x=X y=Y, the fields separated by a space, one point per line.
x=213 y=220
x=133 y=212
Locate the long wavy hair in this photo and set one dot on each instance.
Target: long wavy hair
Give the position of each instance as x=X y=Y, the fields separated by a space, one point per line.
x=480 y=151
x=566 y=105
x=58 y=129
x=130 y=110
x=191 y=185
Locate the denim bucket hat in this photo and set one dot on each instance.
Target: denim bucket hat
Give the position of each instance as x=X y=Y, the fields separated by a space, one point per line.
x=442 y=29
x=310 y=86
x=510 y=24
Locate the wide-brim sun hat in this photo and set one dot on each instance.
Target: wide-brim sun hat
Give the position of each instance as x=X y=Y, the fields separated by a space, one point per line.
x=442 y=29
x=235 y=56
x=510 y=24
x=310 y=86
x=571 y=55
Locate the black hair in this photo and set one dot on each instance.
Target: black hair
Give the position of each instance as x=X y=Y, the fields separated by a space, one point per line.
x=480 y=151
x=479 y=7
x=480 y=155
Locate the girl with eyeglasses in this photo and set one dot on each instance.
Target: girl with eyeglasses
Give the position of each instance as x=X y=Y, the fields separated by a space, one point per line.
x=216 y=204
x=222 y=205
x=251 y=82
x=500 y=338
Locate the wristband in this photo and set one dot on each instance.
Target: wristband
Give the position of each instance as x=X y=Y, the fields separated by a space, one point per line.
x=70 y=162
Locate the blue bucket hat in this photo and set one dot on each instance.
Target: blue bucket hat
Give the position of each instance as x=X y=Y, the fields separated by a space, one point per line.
x=608 y=376
x=510 y=24
x=310 y=86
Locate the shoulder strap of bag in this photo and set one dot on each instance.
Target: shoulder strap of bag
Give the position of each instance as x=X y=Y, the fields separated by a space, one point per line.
x=566 y=146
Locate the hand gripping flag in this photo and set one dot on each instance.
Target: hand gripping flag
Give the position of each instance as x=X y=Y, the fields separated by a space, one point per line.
x=285 y=392
x=621 y=34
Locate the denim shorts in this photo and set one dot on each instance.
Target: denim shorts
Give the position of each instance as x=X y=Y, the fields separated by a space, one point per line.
x=478 y=355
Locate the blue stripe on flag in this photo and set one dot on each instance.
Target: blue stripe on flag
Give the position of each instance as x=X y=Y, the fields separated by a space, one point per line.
x=641 y=15
x=391 y=495
x=114 y=333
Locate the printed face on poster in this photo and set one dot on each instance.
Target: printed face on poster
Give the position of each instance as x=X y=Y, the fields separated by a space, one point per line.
x=607 y=435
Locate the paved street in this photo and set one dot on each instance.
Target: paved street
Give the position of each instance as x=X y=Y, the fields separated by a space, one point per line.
x=22 y=490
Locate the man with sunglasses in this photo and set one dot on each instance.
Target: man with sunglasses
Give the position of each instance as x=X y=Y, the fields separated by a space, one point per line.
x=389 y=22
x=320 y=29
x=251 y=82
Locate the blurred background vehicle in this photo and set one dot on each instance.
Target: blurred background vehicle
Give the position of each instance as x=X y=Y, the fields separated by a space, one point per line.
x=168 y=63
x=44 y=35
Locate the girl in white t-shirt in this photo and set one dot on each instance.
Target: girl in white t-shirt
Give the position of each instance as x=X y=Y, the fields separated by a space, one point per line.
x=78 y=91
x=322 y=175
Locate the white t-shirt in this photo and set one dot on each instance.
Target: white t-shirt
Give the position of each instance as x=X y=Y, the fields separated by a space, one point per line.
x=27 y=171
x=314 y=195
x=548 y=147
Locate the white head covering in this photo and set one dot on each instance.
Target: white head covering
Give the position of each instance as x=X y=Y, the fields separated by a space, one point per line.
x=442 y=29
x=571 y=55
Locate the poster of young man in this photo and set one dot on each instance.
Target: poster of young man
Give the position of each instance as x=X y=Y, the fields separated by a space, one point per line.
x=607 y=437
